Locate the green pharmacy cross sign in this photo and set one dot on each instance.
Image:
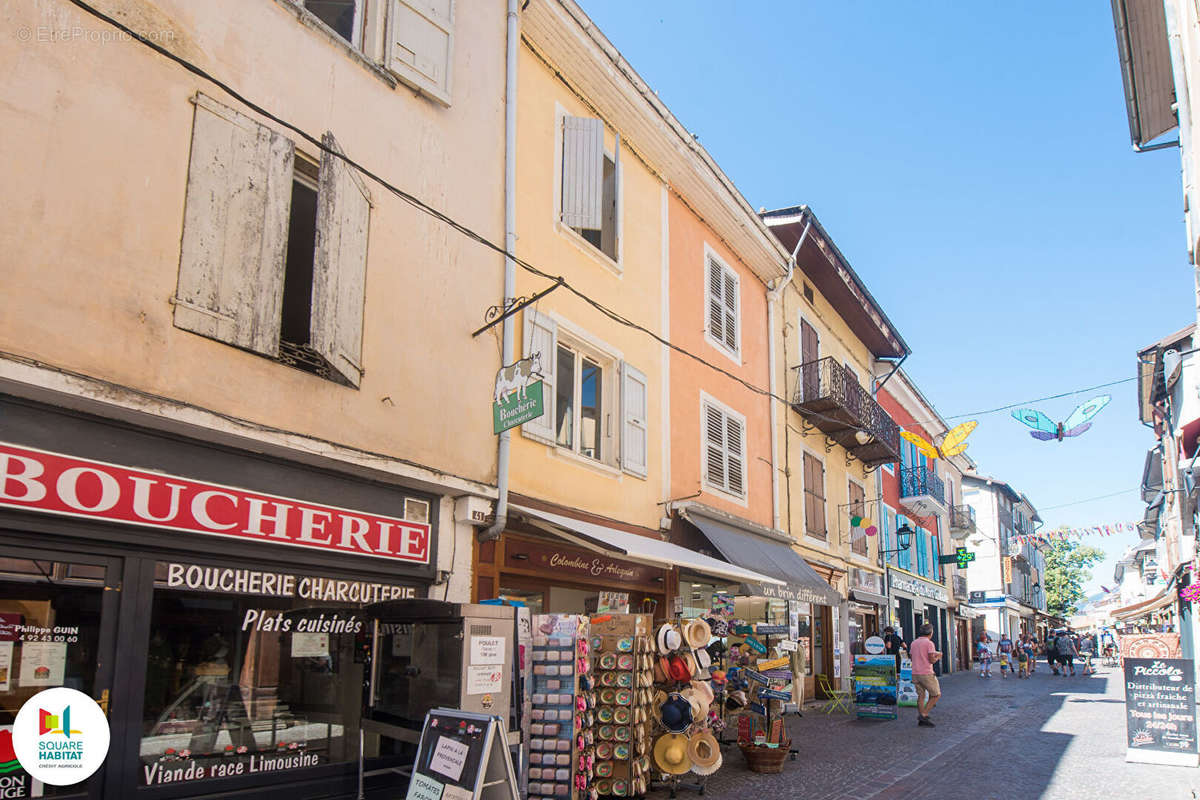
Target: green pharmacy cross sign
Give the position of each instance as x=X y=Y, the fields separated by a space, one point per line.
x=518 y=396
x=961 y=556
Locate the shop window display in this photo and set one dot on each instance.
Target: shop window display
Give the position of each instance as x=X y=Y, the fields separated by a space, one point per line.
x=50 y=623
x=252 y=672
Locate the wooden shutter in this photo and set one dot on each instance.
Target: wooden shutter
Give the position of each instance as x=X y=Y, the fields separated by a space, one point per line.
x=235 y=228
x=420 y=44
x=731 y=310
x=634 y=444
x=735 y=471
x=810 y=352
x=583 y=172
x=714 y=447
x=716 y=300
x=541 y=336
x=814 y=496
x=858 y=538
x=340 y=265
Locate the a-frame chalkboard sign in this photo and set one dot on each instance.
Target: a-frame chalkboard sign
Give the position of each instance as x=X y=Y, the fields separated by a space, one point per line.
x=462 y=756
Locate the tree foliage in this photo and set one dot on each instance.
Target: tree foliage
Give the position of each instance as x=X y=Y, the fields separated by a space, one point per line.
x=1067 y=570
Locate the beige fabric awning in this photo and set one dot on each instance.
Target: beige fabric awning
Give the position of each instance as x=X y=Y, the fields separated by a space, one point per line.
x=1160 y=601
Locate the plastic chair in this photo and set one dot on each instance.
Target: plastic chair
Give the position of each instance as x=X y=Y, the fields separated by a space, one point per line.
x=838 y=698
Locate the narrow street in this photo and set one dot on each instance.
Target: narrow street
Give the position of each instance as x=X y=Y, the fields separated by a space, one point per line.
x=1047 y=737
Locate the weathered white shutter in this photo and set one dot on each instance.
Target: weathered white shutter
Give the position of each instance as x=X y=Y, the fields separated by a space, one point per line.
x=731 y=310
x=716 y=300
x=541 y=336
x=583 y=172
x=420 y=44
x=235 y=227
x=340 y=265
x=634 y=445
x=714 y=447
x=735 y=472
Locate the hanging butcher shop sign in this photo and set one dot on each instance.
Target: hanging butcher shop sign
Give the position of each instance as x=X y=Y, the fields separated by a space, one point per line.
x=518 y=395
x=36 y=480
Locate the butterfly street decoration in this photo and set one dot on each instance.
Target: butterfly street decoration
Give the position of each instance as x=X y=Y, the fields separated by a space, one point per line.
x=1045 y=429
x=953 y=443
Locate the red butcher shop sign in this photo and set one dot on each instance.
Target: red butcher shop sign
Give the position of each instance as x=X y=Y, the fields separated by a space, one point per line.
x=39 y=481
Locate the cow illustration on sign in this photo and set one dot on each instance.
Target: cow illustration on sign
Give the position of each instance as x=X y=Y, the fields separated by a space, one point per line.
x=517 y=376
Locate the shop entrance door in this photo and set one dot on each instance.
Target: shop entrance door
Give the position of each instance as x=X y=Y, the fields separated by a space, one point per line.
x=58 y=627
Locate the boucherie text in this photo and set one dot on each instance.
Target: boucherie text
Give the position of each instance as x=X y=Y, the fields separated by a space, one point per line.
x=40 y=481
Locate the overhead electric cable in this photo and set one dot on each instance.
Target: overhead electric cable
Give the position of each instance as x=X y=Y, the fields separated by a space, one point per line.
x=1088 y=500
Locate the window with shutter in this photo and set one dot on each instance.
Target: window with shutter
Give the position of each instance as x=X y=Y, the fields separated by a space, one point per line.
x=721 y=300
x=540 y=337
x=590 y=190
x=724 y=449
x=340 y=265
x=420 y=45
x=634 y=444
x=235 y=229
x=814 y=497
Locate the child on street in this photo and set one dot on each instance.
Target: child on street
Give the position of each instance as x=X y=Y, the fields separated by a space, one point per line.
x=985 y=660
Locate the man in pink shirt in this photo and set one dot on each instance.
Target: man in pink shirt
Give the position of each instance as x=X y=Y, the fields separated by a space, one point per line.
x=923 y=656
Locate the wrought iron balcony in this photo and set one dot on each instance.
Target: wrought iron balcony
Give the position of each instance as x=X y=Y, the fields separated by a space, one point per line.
x=831 y=400
x=962 y=521
x=922 y=491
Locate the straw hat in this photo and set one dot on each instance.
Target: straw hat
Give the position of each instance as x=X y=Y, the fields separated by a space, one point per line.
x=703 y=658
x=704 y=752
x=693 y=666
x=703 y=690
x=668 y=638
x=671 y=753
x=697 y=633
x=698 y=703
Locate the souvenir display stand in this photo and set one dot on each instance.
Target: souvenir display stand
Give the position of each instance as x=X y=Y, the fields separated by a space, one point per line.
x=685 y=750
x=757 y=680
x=622 y=666
x=559 y=729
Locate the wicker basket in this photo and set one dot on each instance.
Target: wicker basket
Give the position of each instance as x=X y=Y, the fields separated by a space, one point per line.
x=766 y=759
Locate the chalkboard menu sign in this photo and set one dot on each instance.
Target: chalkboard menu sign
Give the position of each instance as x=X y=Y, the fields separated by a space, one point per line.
x=1160 y=711
x=462 y=756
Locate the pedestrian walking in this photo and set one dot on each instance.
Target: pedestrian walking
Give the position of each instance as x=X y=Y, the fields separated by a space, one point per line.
x=1086 y=650
x=1052 y=653
x=1005 y=649
x=1066 y=652
x=1022 y=661
x=985 y=658
x=1030 y=648
x=924 y=655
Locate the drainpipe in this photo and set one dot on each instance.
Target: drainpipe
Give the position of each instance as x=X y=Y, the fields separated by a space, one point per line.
x=773 y=296
x=510 y=267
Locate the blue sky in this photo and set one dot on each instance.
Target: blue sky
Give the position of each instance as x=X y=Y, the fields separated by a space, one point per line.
x=972 y=161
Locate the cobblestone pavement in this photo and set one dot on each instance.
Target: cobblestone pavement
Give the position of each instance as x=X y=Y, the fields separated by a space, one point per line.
x=1046 y=737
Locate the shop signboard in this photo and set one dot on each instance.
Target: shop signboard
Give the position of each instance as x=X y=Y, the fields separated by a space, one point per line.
x=518 y=397
x=906 y=692
x=461 y=756
x=567 y=562
x=40 y=481
x=875 y=689
x=774 y=663
x=917 y=586
x=1160 y=711
x=770 y=630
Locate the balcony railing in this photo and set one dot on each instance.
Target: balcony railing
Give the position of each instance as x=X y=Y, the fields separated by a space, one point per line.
x=917 y=481
x=830 y=399
x=962 y=520
x=1022 y=523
